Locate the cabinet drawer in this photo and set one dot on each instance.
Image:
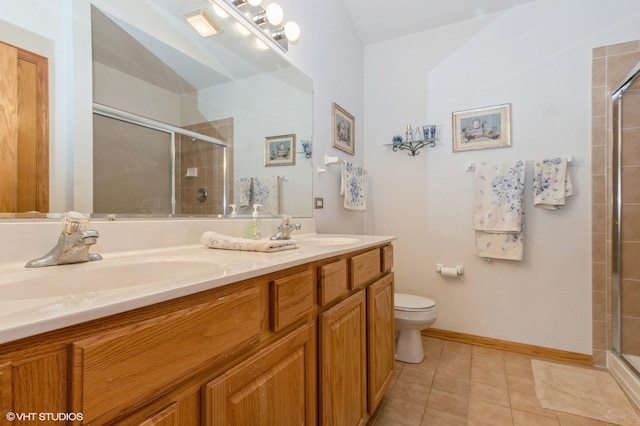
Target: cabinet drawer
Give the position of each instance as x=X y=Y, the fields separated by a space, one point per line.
x=291 y=299
x=129 y=366
x=333 y=281
x=365 y=268
x=387 y=258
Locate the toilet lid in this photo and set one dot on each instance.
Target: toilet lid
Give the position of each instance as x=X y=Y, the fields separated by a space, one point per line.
x=411 y=302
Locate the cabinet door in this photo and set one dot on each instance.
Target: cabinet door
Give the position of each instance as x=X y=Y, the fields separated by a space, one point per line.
x=381 y=339
x=276 y=387
x=343 y=363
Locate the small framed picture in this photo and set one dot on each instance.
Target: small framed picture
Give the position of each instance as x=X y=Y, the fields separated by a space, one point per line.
x=343 y=129
x=280 y=150
x=482 y=128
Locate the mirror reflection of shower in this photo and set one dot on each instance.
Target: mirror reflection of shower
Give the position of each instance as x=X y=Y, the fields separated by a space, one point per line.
x=625 y=226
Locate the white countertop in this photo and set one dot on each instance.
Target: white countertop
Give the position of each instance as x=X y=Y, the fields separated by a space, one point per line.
x=34 y=301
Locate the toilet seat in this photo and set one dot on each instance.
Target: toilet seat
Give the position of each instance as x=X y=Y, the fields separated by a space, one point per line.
x=412 y=303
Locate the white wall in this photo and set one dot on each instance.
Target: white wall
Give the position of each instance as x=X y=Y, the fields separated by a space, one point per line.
x=330 y=52
x=537 y=57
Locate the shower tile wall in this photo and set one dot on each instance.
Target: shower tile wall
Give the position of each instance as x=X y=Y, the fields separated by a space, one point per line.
x=208 y=158
x=609 y=65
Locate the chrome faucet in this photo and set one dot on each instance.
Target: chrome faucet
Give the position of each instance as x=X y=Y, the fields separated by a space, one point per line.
x=285 y=229
x=73 y=244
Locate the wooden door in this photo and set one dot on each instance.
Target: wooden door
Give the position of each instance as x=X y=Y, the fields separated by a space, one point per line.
x=342 y=363
x=24 y=139
x=381 y=339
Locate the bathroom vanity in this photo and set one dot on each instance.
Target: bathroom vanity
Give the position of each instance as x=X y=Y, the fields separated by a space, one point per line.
x=302 y=336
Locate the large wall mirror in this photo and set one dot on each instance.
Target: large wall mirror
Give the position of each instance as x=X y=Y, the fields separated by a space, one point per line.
x=181 y=125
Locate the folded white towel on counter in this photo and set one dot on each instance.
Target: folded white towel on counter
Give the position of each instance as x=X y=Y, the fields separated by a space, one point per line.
x=551 y=183
x=352 y=186
x=498 y=212
x=219 y=241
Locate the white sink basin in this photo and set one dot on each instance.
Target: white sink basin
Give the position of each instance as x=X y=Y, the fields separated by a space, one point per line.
x=65 y=280
x=317 y=241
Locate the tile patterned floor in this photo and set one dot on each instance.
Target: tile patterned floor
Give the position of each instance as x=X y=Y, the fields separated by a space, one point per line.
x=461 y=384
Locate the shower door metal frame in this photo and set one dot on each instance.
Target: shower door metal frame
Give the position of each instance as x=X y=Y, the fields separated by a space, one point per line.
x=616 y=203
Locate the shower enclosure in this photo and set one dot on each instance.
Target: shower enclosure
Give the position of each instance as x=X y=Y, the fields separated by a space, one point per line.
x=625 y=222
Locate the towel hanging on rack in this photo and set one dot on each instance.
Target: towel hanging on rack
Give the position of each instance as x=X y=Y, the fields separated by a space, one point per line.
x=352 y=186
x=265 y=192
x=498 y=212
x=244 y=192
x=551 y=183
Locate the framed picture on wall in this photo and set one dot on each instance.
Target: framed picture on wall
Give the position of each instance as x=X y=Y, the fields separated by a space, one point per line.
x=280 y=150
x=482 y=128
x=343 y=130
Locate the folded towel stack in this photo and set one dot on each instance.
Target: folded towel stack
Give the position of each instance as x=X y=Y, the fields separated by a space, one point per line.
x=219 y=241
x=551 y=183
x=498 y=213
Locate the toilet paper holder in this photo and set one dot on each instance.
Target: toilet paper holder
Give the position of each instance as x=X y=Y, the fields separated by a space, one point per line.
x=458 y=268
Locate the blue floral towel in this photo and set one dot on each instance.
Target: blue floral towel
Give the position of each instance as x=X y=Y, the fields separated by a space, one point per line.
x=551 y=183
x=265 y=192
x=498 y=213
x=352 y=186
x=244 y=191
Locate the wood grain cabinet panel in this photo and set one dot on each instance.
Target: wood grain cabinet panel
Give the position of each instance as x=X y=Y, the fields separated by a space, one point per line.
x=333 y=282
x=276 y=387
x=387 y=258
x=365 y=268
x=291 y=299
x=342 y=363
x=127 y=367
x=380 y=339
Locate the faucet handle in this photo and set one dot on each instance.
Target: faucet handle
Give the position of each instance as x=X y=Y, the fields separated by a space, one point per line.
x=285 y=219
x=74 y=222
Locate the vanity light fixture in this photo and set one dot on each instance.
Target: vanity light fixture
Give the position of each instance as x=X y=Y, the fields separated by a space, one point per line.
x=267 y=19
x=203 y=23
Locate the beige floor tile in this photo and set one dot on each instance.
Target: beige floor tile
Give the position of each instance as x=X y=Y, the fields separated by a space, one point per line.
x=489 y=377
x=440 y=418
x=485 y=414
x=410 y=391
x=495 y=363
x=458 y=385
x=491 y=394
x=520 y=383
x=523 y=418
x=401 y=412
x=527 y=401
x=448 y=402
x=567 y=419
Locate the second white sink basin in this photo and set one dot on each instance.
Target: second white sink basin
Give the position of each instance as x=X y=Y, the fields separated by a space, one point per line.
x=65 y=280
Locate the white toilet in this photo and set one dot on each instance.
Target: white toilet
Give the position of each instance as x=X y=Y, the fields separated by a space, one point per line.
x=412 y=314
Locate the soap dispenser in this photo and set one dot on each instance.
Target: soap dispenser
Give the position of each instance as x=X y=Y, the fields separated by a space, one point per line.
x=255 y=230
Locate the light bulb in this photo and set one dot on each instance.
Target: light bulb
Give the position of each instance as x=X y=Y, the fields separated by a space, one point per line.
x=254 y=2
x=274 y=14
x=220 y=11
x=242 y=29
x=261 y=44
x=292 y=31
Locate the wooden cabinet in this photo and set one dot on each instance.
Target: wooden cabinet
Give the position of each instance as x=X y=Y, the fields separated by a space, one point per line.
x=342 y=363
x=311 y=344
x=276 y=387
x=381 y=337
x=356 y=336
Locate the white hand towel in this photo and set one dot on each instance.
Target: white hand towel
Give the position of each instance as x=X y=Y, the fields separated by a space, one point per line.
x=551 y=183
x=352 y=186
x=265 y=192
x=219 y=241
x=498 y=213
